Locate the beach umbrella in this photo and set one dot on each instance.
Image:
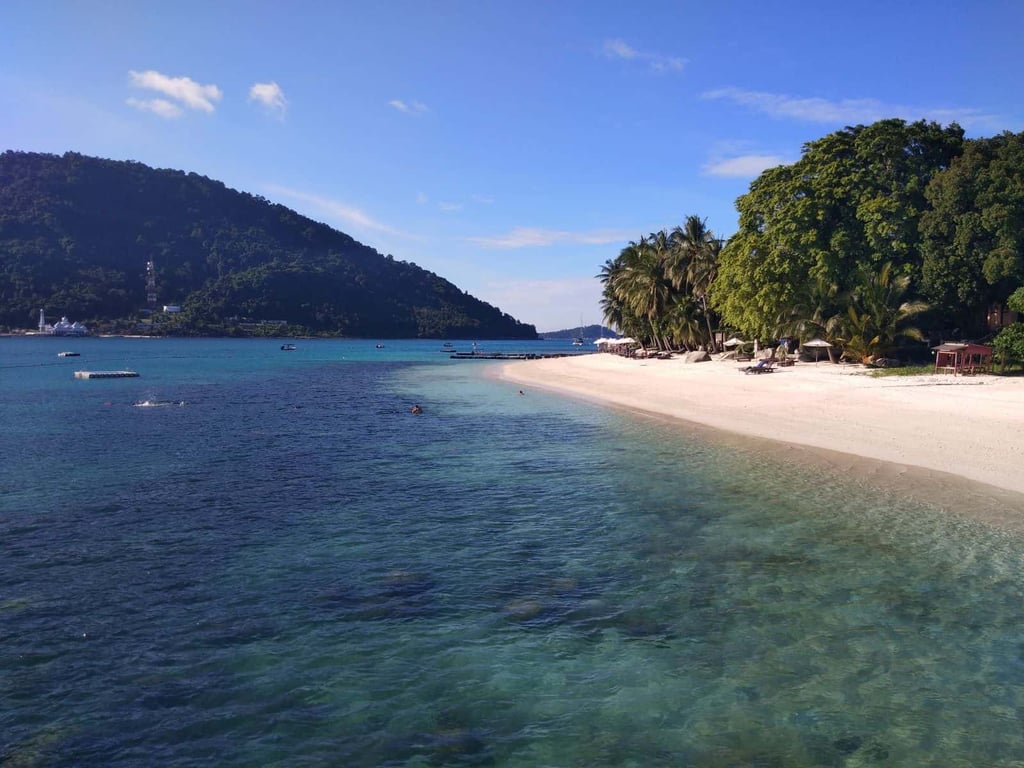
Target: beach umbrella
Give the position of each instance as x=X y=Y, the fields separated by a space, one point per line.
x=733 y=342
x=816 y=344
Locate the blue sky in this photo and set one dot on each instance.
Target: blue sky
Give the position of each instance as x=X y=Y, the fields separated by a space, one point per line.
x=511 y=147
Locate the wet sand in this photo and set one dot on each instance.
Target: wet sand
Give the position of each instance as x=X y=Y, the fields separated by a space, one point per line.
x=929 y=432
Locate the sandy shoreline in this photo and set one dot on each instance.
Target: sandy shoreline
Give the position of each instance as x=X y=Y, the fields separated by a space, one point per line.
x=970 y=427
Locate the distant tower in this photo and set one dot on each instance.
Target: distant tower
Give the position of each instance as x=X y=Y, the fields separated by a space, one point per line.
x=42 y=322
x=151 y=284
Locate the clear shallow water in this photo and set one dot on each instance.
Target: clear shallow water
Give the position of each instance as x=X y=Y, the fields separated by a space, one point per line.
x=293 y=570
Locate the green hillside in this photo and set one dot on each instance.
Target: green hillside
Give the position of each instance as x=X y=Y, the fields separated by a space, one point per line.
x=76 y=233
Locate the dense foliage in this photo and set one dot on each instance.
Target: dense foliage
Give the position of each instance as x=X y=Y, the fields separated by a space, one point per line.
x=1010 y=341
x=76 y=233
x=973 y=235
x=657 y=289
x=874 y=234
x=849 y=205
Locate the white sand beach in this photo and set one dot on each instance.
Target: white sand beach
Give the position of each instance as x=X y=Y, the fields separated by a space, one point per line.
x=968 y=426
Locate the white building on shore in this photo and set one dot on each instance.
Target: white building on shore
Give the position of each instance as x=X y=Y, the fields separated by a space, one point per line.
x=64 y=328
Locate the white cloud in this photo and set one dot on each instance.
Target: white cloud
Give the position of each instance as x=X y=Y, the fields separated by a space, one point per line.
x=743 y=166
x=336 y=210
x=422 y=199
x=412 y=108
x=449 y=207
x=161 y=107
x=270 y=96
x=182 y=89
x=620 y=49
x=483 y=199
x=526 y=237
x=843 y=111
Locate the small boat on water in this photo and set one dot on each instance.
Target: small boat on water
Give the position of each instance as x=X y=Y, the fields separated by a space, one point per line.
x=68 y=354
x=578 y=341
x=157 y=403
x=288 y=347
x=380 y=346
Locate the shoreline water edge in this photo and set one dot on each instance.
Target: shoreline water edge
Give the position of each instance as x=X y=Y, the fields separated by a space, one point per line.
x=957 y=441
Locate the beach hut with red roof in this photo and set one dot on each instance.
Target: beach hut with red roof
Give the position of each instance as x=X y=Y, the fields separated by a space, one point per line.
x=962 y=358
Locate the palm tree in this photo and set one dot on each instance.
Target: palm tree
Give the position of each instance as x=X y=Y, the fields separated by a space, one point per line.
x=696 y=264
x=657 y=288
x=636 y=292
x=683 y=322
x=817 y=311
x=877 y=316
x=644 y=289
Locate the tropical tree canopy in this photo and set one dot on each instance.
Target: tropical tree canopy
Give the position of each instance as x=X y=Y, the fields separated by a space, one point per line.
x=875 y=232
x=852 y=202
x=657 y=289
x=973 y=233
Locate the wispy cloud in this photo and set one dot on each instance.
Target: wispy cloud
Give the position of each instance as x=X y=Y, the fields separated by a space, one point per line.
x=161 y=107
x=185 y=91
x=742 y=166
x=620 y=49
x=483 y=199
x=271 y=97
x=843 y=111
x=450 y=207
x=526 y=237
x=410 y=108
x=336 y=210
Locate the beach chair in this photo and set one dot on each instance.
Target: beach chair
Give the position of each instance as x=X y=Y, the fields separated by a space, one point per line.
x=763 y=366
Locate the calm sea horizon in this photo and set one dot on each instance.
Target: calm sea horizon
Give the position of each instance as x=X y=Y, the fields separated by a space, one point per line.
x=273 y=562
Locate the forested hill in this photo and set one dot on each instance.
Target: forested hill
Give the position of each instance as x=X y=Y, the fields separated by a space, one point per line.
x=76 y=233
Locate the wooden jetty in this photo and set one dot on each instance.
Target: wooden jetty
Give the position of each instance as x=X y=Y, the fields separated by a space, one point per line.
x=105 y=374
x=507 y=355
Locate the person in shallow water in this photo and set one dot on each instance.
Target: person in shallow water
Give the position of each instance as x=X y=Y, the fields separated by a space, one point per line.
x=416 y=409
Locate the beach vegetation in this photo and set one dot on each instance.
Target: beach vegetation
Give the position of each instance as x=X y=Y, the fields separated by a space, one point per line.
x=816 y=311
x=658 y=288
x=973 y=230
x=878 y=316
x=903 y=370
x=1009 y=343
x=851 y=203
x=878 y=233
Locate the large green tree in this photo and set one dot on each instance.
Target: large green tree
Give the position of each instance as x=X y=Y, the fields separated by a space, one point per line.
x=973 y=235
x=852 y=202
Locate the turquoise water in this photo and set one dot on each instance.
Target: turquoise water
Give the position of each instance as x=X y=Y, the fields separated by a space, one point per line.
x=291 y=569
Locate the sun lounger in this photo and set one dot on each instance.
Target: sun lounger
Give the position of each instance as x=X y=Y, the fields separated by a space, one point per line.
x=763 y=366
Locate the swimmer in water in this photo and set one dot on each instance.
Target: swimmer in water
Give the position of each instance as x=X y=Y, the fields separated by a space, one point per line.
x=416 y=409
